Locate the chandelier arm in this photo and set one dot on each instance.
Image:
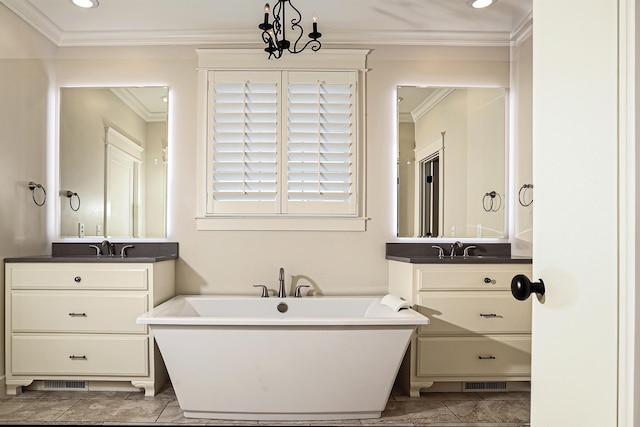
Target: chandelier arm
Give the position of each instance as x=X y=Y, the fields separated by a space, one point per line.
x=315 y=46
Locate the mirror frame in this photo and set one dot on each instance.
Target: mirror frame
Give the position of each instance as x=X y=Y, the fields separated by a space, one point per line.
x=59 y=193
x=507 y=196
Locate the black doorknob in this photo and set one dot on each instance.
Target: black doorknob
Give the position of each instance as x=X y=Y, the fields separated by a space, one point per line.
x=522 y=287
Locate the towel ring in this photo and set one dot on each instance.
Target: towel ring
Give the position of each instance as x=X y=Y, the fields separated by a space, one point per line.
x=70 y=195
x=32 y=187
x=522 y=194
x=492 y=202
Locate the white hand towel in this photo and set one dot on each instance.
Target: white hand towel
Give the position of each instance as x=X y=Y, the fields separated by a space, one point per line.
x=396 y=303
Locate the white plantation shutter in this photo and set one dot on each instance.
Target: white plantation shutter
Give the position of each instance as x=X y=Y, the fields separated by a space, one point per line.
x=243 y=149
x=282 y=143
x=320 y=143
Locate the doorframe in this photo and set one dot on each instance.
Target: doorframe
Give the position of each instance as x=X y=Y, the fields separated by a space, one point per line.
x=628 y=376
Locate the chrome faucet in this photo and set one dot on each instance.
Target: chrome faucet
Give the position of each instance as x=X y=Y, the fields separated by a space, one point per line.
x=97 y=248
x=281 y=292
x=298 y=292
x=123 y=251
x=455 y=245
x=440 y=251
x=107 y=248
x=465 y=252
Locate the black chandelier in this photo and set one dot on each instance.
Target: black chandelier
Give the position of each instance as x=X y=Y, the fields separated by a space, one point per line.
x=274 y=34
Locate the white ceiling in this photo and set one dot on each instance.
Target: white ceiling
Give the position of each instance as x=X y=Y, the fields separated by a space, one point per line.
x=234 y=22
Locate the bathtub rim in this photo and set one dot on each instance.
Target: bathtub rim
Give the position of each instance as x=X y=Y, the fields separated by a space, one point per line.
x=162 y=315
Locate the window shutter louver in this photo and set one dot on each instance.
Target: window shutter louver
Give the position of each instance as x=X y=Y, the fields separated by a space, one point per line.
x=320 y=142
x=244 y=143
x=282 y=143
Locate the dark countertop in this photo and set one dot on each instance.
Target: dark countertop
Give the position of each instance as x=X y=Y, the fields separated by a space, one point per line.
x=461 y=260
x=81 y=252
x=91 y=258
x=482 y=253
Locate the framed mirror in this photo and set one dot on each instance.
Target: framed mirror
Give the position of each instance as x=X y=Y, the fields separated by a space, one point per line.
x=452 y=170
x=112 y=162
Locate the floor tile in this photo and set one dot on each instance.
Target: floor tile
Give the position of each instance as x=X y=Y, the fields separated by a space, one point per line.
x=490 y=411
x=421 y=412
x=437 y=409
x=121 y=410
x=34 y=410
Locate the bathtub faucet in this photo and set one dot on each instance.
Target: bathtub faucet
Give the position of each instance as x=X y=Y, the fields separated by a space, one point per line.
x=281 y=292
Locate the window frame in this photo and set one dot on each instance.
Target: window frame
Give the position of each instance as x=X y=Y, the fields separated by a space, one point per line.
x=255 y=60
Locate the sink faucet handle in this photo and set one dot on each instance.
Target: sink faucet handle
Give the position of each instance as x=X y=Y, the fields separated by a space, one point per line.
x=465 y=252
x=265 y=291
x=298 y=294
x=440 y=251
x=97 y=248
x=123 y=251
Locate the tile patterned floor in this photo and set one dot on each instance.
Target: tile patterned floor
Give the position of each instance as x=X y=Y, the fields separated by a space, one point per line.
x=124 y=408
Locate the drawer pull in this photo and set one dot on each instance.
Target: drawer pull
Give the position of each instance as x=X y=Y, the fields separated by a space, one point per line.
x=72 y=357
x=78 y=314
x=487 y=280
x=486 y=357
x=486 y=315
x=77 y=279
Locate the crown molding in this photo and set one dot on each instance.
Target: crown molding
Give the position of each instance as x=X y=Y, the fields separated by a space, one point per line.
x=429 y=103
x=246 y=38
x=36 y=19
x=137 y=107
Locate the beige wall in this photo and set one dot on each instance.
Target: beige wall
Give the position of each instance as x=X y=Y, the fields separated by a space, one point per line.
x=406 y=185
x=472 y=164
x=25 y=108
x=522 y=99
x=84 y=114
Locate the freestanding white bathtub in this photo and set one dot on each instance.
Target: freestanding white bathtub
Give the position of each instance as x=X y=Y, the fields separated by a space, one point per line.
x=324 y=358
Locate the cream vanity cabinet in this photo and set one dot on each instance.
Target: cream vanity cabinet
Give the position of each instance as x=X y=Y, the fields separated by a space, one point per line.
x=479 y=335
x=75 y=323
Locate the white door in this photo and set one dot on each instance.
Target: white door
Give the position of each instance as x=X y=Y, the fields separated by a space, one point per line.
x=576 y=216
x=121 y=184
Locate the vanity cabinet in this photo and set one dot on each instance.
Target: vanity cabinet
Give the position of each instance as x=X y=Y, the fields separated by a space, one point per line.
x=479 y=335
x=74 y=324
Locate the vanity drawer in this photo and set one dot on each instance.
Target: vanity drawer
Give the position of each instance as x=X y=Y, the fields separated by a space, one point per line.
x=461 y=313
x=78 y=276
x=77 y=311
x=473 y=356
x=79 y=355
x=468 y=277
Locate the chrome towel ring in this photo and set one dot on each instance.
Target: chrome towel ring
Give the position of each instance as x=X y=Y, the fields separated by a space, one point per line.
x=71 y=195
x=32 y=187
x=492 y=202
x=522 y=195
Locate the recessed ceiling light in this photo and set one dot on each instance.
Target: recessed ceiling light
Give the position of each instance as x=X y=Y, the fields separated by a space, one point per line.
x=87 y=4
x=479 y=4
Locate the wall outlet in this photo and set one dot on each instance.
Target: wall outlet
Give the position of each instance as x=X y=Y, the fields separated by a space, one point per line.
x=98 y=230
x=453 y=231
x=479 y=231
x=80 y=229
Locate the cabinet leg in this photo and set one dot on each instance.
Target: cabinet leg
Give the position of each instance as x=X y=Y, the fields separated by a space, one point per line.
x=149 y=387
x=414 y=390
x=13 y=390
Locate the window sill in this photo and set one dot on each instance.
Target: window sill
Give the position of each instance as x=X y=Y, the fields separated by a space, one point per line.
x=281 y=224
